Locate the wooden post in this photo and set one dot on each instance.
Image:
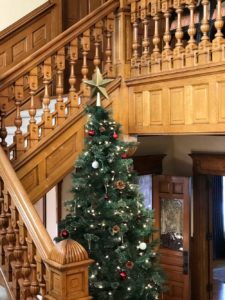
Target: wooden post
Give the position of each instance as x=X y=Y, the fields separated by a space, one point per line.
x=60 y=105
x=219 y=40
x=191 y=48
x=156 y=55
x=179 y=49
x=86 y=46
x=67 y=272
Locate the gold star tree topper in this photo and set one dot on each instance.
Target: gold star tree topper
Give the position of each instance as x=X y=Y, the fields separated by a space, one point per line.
x=98 y=86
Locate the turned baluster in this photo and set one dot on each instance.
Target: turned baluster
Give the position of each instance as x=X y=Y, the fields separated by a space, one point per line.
x=18 y=138
x=179 y=49
x=218 y=41
x=167 y=52
x=73 y=56
x=145 y=58
x=97 y=34
x=3 y=131
x=47 y=116
x=135 y=59
x=40 y=274
x=156 y=55
x=60 y=105
x=85 y=43
x=10 y=237
x=190 y=49
x=33 y=127
x=108 y=68
x=17 y=269
x=34 y=286
x=26 y=270
x=205 y=45
x=3 y=225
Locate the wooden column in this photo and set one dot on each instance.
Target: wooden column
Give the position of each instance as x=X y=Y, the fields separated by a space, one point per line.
x=47 y=116
x=73 y=96
x=68 y=263
x=18 y=138
x=204 y=46
x=145 y=58
x=85 y=43
x=3 y=131
x=218 y=41
x=190 y=50
x=167 y=52
x=135 y=60
x=178 y=59
x=32 y=127
x=60 y=105
x=109 y=24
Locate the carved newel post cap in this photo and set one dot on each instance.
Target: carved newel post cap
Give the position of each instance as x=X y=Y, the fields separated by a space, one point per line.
x=68 y=251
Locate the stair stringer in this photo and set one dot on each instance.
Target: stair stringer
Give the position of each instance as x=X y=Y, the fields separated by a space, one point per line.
x=43 y=166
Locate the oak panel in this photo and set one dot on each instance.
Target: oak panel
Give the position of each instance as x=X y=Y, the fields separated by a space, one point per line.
x=19 y=49
x=200 y=104
x=177 y=109
x=191 y=103
x=39 y=36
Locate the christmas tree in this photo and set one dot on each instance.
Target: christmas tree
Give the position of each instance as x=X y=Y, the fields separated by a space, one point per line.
x=107 y=214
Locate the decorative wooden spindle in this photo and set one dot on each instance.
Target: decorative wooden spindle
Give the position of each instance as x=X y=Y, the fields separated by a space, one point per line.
x=3 y=131
x=97 y=34
x=85 y=43
x=33 y=127
x=205 y=45
x=156 y=55
x=26 y=269
x=108 y=68
x=179 y=49
x=18 y=255
x=145 y=58
x=18 y=138
x=167 y=52
x=47 y=116
x=135 y=60
x=60 y=105
x=3 y=225
x=218 y=41
x=34 y=286
x=73 y=57
x=190 y=49
x=10 y=237
x=41 y=274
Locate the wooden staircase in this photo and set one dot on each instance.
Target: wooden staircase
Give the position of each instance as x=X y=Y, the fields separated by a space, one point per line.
x=33 y=267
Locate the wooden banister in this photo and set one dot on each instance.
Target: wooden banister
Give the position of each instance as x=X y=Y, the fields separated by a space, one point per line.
x=57 y=43
x=29 y=260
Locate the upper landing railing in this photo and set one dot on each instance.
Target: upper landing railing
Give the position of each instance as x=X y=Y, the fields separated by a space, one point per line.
x=176 y=34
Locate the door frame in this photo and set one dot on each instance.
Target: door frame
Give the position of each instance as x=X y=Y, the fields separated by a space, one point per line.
x=204 y=164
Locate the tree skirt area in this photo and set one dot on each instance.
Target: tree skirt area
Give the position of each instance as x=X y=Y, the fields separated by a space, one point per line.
x=219 y=274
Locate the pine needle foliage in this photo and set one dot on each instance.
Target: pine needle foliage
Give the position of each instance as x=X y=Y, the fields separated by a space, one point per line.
x=107 y=216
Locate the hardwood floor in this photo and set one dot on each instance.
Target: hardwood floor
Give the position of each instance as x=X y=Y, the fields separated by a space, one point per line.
x=218 y=290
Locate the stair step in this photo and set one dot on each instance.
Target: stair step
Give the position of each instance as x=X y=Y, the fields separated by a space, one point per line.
x=26 y=119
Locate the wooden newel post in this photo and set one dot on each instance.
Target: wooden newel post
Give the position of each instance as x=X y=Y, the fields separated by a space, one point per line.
x=67 y=272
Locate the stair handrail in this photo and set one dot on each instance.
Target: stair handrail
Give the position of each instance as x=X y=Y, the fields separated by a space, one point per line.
x=57 y=43
x=26 y=209
x=22 y=259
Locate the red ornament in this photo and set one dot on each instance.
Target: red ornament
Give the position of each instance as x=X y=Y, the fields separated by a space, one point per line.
x=115 y=135
x=123 y=275
x=64 y=234
x=91 y=132
x=124 y=155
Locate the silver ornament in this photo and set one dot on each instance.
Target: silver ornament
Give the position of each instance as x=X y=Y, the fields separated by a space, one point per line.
x=95 y=164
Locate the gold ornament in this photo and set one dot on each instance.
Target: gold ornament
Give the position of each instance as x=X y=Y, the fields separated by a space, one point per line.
x=120 y=185
x=129 y=265
x=116 y=229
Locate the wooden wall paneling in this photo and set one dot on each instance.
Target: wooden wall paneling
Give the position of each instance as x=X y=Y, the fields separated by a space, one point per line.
x=191 y=104
x=29 y=33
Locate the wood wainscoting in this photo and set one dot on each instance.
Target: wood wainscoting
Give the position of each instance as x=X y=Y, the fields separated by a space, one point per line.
x=181 y=102
x=29 y=33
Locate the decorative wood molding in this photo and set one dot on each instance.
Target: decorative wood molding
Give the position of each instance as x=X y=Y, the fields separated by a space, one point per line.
x=188 y=103
x=209 y=163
